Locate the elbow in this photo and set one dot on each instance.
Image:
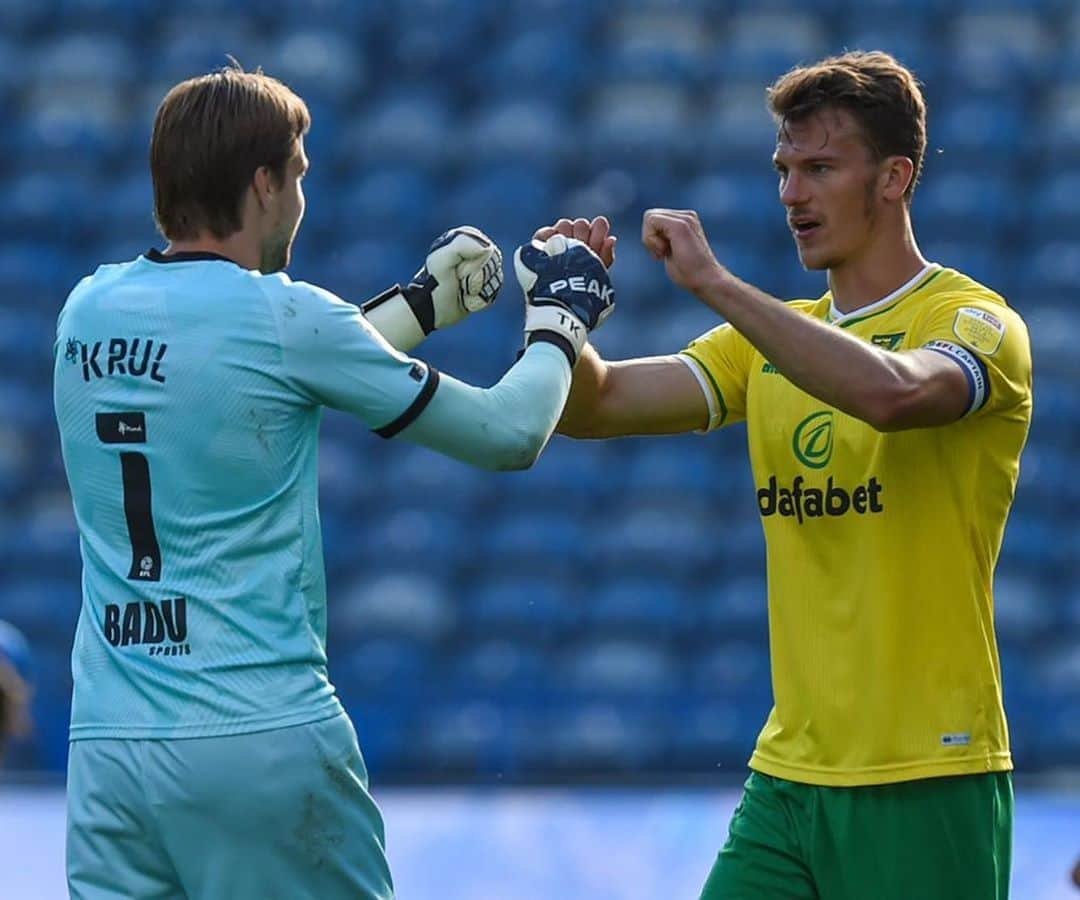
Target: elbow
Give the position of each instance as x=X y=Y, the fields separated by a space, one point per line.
x=581 y=430
x=518 y=449
x=891 y=409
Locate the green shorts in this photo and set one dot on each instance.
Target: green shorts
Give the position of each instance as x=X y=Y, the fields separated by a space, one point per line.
x=277 y=814
x=934 y=839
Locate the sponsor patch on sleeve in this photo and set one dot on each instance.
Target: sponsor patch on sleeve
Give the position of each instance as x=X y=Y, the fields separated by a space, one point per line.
x=979 y=329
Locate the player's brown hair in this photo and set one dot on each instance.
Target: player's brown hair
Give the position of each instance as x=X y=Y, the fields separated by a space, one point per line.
x=881 y=94
x=211 y=134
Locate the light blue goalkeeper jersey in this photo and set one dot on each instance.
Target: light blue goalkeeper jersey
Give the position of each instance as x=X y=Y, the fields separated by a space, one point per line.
x=188 y=393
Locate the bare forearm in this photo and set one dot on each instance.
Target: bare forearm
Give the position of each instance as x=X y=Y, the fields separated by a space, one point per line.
x=824 y=361
x=579 y=414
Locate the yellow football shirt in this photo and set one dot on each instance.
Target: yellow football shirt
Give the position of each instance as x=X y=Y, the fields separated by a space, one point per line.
x=881 y=546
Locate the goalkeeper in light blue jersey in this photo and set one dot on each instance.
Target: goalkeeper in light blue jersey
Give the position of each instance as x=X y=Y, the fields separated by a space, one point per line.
x=210 y=756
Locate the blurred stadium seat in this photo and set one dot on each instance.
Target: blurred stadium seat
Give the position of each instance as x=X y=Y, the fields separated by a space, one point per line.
x=607 y=609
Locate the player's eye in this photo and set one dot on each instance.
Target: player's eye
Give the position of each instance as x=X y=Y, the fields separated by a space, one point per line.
x=820 y=169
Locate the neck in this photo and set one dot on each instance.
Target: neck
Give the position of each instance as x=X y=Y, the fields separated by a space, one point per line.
x=885 y=265
x=240 y=247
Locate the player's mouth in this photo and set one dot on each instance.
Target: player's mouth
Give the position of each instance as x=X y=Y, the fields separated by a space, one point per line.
x=804 y=228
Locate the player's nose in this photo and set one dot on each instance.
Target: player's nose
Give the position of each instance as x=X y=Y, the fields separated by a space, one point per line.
x=793 y=190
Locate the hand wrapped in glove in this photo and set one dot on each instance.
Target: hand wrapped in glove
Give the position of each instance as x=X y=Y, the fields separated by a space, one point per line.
x=462 y=274
x=568 y=292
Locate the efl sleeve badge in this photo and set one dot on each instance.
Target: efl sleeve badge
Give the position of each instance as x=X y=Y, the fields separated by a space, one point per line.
x=979 y=329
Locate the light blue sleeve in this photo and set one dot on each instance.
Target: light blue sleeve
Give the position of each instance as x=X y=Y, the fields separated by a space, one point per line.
x=332 y=357
x=505 y=426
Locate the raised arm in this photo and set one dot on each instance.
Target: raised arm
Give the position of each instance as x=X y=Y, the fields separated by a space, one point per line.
x=890 y=391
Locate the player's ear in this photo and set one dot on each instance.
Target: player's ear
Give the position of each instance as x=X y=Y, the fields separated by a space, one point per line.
x=896 y=175
x=263 y=182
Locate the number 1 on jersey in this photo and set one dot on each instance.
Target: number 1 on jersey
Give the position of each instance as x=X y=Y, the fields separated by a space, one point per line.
x=130 y=428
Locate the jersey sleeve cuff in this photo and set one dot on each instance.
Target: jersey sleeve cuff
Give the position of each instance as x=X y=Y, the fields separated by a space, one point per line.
x=973 y=368
x=415 y=408
x=717 y=411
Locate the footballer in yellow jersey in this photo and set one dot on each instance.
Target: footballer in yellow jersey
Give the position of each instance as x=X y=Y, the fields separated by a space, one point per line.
x=885 y=425
x=881 y=546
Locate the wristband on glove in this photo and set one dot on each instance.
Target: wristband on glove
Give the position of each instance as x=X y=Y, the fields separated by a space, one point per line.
x=567 y=291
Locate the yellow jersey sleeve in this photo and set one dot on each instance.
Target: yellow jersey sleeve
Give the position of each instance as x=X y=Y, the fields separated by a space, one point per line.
x=988 y=340
x=721 y=359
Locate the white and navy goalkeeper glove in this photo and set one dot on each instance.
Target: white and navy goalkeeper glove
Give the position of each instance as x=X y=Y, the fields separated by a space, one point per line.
x=568 y=292
x=462 y=274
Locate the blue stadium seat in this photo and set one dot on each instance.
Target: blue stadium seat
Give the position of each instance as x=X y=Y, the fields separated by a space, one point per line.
x=652 y=536
x=387 y=200
x=540 y=54
x=736 y=128
x=43 y=607
x=26 y=346
x=1023 y=609
x=403 y=604
x=742 y=207
x=734 y=670
x=619 y=666
x=406 y=125
x=640 y=120
x=529 y=539
x=640 y=605
x=319 y=63
x=910 y=42
x=18 y=17
x=81 y=58
x=708 y=729
x=762 y=46
x=608 y=737
x=463 y=736
x=660 y=45
x=536 y=607
x=190 y=45
x=79 y=124
x=499 y=668
x=1053 y=267
x=982 y=260
x=979 y=133
x=433 y=37
x=998 y=53
x=734 y=605
x=516 y=132
x=381 y=667
x=514 y=199
x=962 y=205
x=1052 y=214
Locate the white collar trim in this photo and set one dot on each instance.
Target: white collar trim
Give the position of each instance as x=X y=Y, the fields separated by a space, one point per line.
x=836 y=317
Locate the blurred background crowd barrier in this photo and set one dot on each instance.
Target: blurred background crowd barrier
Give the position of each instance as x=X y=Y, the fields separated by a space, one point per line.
x=604 y=613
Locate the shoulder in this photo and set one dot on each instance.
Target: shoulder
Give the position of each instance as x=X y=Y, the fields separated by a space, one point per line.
x=976 y=314
x=299 y=297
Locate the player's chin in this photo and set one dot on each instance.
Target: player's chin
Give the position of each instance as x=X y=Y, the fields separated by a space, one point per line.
x=814 y=259
x=275 y=258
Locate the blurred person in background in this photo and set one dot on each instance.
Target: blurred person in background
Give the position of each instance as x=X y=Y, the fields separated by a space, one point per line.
x=210 y=755
x=14 y=686
x=885 y=423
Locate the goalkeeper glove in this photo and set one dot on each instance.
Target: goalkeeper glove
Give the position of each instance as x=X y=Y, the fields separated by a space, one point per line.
x=462 y=274
x=568 y=292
